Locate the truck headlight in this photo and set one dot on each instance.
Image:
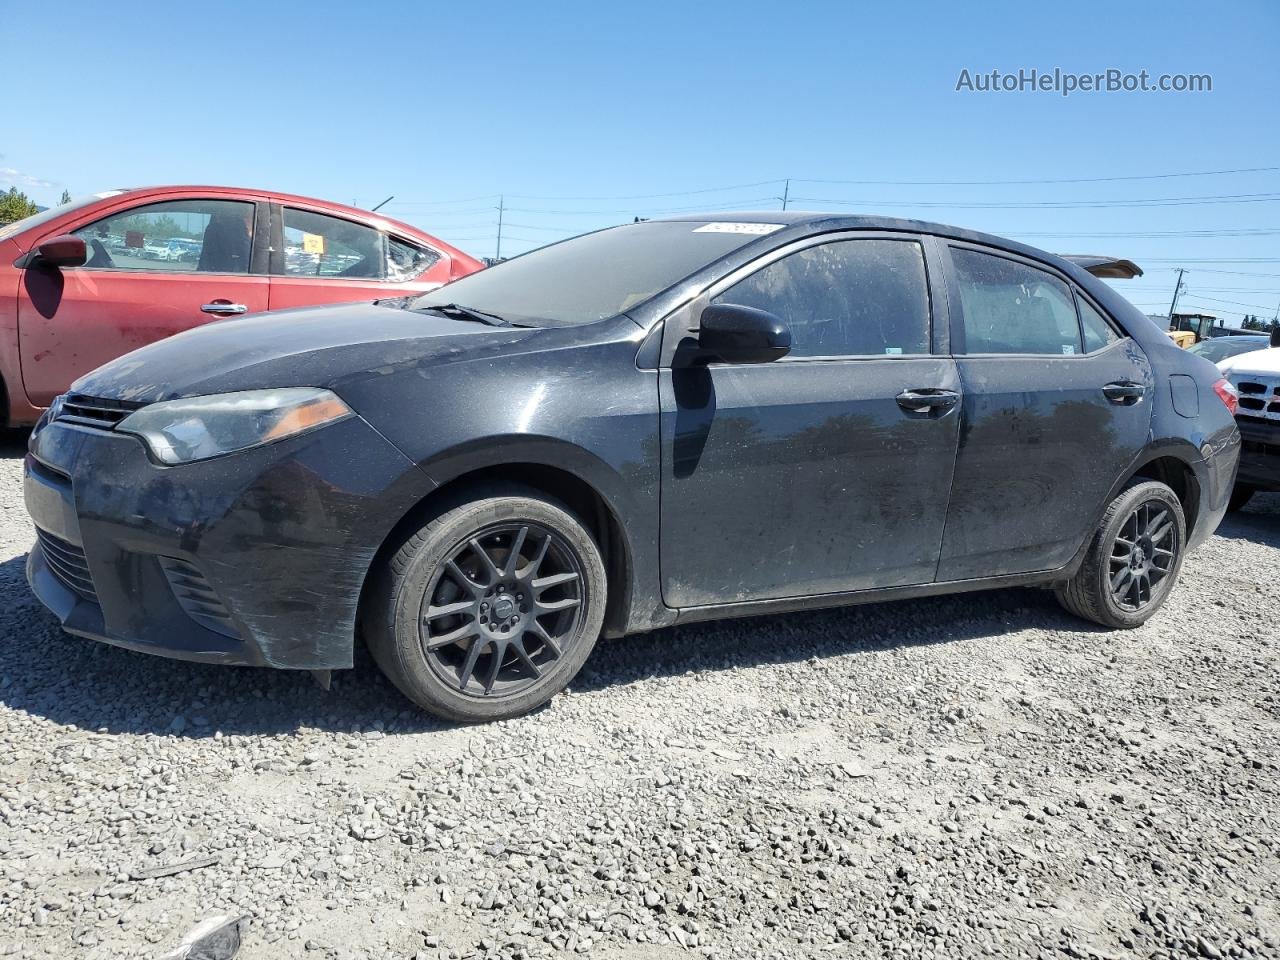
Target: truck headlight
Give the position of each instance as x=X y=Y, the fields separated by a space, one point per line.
x=197 y=428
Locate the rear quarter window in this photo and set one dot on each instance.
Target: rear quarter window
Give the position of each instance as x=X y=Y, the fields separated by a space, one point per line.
x=1098 y=332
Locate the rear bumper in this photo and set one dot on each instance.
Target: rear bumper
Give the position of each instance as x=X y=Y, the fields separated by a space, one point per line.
x=254 y=558
x=1215 y=477
x=1260 y=453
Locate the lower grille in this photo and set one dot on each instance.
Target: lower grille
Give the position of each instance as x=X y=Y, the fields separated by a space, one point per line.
x=1259 y=395
x=68 y=564
x=197 y=598
x=94 y=411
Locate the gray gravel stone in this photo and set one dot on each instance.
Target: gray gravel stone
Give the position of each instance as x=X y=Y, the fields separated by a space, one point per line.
x=953 y=777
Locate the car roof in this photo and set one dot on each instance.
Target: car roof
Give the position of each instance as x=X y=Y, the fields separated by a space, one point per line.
x=814 y=221
x=369 y=216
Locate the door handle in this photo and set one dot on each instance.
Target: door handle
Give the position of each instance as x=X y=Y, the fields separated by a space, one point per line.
x=224 y=306
x=927 y=400
x=1124 y=392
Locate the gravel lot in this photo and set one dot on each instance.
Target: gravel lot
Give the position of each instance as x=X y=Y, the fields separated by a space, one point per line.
x=981 y=775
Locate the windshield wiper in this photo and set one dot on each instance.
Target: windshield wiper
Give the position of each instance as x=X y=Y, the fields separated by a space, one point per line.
x=459 y=312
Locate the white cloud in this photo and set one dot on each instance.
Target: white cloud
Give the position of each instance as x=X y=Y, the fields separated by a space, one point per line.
x=17 y=178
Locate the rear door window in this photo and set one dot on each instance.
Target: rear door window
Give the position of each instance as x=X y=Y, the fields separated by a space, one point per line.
x=318 y=245
x=176 y=236
x=1010 y=307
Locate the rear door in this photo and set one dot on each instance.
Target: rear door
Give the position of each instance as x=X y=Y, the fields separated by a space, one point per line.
x=321 y=258
x=828 y=470
x=154 y=269
x=1057 y=406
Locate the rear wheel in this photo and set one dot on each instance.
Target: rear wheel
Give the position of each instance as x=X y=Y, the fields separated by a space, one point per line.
x=1132 y=561
x=1241 y=494
x=491 y=608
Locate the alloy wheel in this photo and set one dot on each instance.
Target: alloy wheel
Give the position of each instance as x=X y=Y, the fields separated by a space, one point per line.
x=505 y=604
x=1143 y=554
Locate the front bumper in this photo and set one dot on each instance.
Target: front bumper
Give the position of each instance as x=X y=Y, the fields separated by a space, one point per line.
x=1260 y=453
x=253 y=558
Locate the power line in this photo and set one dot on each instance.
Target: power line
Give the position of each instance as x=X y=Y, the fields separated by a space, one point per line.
x=1054 y=204
x=530 y=226
x=1235 y=313
x=882 y=183
x=1237 y=303
x=1237 y=273
x=655 y=196
x=995 y=183
x=1156 y=234
x=701 y=208
x=487 y=196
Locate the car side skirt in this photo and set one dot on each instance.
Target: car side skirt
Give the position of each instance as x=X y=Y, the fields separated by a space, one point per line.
x=827 y=600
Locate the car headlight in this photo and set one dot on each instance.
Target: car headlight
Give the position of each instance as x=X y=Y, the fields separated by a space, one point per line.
x=197 y=428
x=51 y=414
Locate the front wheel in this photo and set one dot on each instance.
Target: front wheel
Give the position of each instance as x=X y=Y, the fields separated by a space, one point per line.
x=1132 y=561
x=490 y=609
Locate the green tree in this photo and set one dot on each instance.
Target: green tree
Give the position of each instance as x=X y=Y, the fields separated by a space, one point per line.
x=15 y=205
x=66 y=198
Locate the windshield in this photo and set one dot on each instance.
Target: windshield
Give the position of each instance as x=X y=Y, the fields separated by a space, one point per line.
x=597 y=275
x=1216 y=350
x=44 y=216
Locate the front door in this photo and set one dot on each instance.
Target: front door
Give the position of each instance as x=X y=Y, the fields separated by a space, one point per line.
x=825 y=471
x=1057 y=406
x=153 y=271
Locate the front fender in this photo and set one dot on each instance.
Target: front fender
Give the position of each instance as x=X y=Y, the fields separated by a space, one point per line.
x=630 y=503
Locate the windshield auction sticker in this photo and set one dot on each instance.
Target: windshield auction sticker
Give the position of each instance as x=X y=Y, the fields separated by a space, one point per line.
x=759 y=229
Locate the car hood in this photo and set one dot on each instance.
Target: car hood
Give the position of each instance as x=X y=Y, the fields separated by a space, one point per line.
x=1256 y=361
x=312 y=346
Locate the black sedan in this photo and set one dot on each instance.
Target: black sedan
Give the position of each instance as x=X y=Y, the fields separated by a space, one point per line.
x=657 y=423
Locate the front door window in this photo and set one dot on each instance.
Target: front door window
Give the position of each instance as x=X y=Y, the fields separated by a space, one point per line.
x=176 y=236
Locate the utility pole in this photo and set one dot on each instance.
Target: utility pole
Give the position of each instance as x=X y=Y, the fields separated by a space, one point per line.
x=786 y=192
x=497 y=255
x=1177 y=289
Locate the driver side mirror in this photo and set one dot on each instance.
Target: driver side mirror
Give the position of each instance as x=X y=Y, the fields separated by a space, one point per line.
x=63 y=251
x=733 y=333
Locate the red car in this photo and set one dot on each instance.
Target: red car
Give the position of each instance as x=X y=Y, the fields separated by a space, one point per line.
x=83 y=283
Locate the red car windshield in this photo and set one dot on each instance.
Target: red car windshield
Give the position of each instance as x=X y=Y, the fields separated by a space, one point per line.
x=44 y=216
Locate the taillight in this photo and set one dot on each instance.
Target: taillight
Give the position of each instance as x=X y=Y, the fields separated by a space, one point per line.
x=1228 y=395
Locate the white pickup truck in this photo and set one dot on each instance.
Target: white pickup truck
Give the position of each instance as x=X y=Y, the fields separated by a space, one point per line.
x=1256 y=377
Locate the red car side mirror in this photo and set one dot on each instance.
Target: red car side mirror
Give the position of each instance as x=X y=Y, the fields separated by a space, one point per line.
x=63 y=251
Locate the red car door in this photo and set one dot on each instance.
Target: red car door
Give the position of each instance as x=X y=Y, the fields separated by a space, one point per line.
x=154 y=269
x=320 y=258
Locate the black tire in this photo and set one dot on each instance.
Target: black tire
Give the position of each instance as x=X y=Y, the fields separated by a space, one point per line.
x=1092 y=592
x=1241 y=494
x=530 y=669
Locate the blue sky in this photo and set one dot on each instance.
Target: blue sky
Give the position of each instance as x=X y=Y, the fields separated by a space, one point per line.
x=581 y=113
